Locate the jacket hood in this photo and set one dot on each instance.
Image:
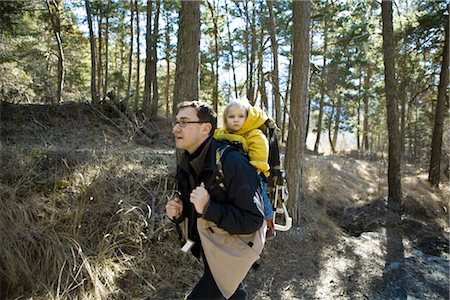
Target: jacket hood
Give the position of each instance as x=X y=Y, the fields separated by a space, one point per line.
x=255 y=118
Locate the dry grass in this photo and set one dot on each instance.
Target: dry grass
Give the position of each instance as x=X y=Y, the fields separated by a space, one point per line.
x=335 y=183
x=76 y=230
x=83 y=209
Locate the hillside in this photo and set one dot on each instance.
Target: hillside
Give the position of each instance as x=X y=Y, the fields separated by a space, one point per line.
x=83 y=195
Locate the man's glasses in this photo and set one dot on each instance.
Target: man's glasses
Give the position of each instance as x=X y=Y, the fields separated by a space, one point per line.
x=184 y=123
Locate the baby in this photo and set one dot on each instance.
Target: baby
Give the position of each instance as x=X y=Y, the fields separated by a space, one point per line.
x=242 y=122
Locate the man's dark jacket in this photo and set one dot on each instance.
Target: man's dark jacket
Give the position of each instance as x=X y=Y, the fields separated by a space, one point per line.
x=235 y=207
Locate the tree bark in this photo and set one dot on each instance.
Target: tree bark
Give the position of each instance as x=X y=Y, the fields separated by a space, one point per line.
x=231 y=52
x=262 y=80
x=148 y=44
x=337 y=121
x=100 y=53
x=154 y=61
x=138 y=60
x=251 y=79
x=130 y=56
x=394 y=177
x=168 y=52
x=188 y=49
x=322 y=88
x=107 y=15
x=286 y=103
x=365 y=134
x=275 y=76
x=394 y=249
x=54 y=12
x=94 y=96
x=298 y=111
x=215 y=66
x=436 y=143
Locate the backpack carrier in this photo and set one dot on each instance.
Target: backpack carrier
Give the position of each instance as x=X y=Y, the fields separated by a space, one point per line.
x=277 y=188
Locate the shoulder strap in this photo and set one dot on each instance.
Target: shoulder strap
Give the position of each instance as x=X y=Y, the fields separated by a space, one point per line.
x=217 y=176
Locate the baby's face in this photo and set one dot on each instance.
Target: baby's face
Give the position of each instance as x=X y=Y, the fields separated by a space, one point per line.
x=235 y=118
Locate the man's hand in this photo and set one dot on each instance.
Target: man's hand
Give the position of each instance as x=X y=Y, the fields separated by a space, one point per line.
x=200 y=197
x=174 y=208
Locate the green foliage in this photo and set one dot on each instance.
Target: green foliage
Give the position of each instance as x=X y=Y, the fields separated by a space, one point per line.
x=16 y=84
x=28 y=53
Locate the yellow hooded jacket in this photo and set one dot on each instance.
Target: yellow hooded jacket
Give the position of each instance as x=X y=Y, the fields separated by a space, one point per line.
x=253 y=140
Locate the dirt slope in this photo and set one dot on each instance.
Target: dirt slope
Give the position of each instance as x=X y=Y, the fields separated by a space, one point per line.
x=88 y=175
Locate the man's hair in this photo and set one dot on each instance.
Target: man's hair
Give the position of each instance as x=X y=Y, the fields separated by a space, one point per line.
x=204 y=112
x=242 y=104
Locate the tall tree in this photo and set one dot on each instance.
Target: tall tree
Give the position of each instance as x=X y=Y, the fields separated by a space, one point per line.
x=436 y=144
x=138 y=60
x=394 y=177
x=275 y=76
x=187 y=64
x=130 y=56
x=107 y=17
x=322 y=84
x=365 y=133
x=168 y=53
x=100 y=50
x=215 y=65
x=261 y=77
x=298 y=108
x=395 y=247
x=54 y=10
x=154 y=61
x=94 y=95
x=148 y=60
x=230 y=41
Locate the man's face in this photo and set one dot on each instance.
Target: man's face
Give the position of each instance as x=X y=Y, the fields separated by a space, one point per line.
x=192 y=135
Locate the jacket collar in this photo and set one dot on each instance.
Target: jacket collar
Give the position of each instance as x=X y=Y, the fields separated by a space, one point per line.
x=200 y=161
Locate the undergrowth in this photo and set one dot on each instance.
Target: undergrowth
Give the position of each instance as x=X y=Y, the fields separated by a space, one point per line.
x=78 y=229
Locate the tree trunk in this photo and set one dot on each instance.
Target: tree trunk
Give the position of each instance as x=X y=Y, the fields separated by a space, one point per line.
x=329 y=123
x=107 y=14
x=94 y=96
x=336 y=123
x=358 y=112
x=322 y=88
x=215 y=65
x=138 y=60
x=261 y=77
x=247 y=51
x=154 y=78
x=231 y=52
x=367 y=81
x=148 y=44
x=275 y=76
x=188 y=49
x=100 y=54
x=54 y=12
x=122 y=51
x=130 y=56
x=436 y=143
x=298 y=111
x=168 y=57
x=394 y=249
x=251 y=79
x=391 y=104
x=286 y=103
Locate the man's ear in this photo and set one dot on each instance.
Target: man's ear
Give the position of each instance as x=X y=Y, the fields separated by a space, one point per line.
x=207 y=128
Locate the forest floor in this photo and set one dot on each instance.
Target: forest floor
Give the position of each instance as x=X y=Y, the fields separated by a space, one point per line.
x=100 y=185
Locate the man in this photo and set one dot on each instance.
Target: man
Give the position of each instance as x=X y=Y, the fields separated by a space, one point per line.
x=223 y=223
